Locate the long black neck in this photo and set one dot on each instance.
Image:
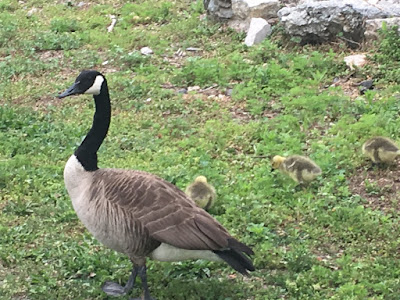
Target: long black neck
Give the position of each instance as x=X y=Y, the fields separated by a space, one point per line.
x=87 y=151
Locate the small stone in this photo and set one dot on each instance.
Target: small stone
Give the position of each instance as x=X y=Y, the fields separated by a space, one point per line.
x=113 y=22
x=193 y=88
x=180 y=52
x=193 y=49
x=81 y=4
x=228 y=92
x=31 y=12
x=135 y=18
x=259 y=29
x=366 y=85
x=148 y=100
x=357 y=60
x=146 y=51
x=183 y=91
x=104 y=63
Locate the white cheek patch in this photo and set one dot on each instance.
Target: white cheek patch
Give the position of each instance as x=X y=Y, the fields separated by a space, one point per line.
x=96 y=87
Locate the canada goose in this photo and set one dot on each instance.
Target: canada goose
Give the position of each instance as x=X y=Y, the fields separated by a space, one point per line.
x=380 y=149
x=300 y=168
x=201 y=192
x=137 y=213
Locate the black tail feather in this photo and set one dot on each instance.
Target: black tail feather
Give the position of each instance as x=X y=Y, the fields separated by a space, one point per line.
x=236 y=259
x=235 y=244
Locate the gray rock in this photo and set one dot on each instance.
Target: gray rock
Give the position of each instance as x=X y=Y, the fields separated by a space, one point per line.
x=266 y=9
x=218 y=9
x=239 y=25
x=365 y=86
x=183 y=91
x=258 y=31
x=372 y=26
x=371 y=9
x=245 y=10
x=318 y=22
x=31 y=12
x=228 y=92
x=146 y=51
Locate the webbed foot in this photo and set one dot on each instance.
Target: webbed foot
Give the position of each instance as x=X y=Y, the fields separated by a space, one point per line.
x=113 y=289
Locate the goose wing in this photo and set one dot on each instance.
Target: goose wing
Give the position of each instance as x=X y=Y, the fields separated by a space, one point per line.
x=165 y=211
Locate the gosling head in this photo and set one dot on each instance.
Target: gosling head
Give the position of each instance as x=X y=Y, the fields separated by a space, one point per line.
x=201 y=179
x=277 y=160
x=88 y=82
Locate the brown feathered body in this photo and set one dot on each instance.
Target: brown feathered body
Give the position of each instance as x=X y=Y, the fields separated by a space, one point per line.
x=380 y=149
x=140 y=214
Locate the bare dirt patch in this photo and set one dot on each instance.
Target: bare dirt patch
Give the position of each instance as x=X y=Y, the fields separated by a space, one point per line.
x=214 y=93
x=271 y=110
x=45 y=102
x=380 y=187
x=350 y=85
x=46 y=56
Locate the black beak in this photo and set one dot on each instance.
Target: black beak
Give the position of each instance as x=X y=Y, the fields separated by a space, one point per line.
x=72 y=90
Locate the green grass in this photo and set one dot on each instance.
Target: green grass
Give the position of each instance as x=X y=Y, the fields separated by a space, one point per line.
x=321 y=242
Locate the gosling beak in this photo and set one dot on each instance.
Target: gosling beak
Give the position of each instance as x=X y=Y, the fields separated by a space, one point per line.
x=72 y=90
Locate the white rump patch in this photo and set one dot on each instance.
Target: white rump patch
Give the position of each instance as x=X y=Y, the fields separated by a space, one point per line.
x=96 y=87
x=166 y=252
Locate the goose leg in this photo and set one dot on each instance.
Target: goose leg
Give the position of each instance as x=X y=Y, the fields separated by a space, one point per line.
x=143 y=277
x=114 y=289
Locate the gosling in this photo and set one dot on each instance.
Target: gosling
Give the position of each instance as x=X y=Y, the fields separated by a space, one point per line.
x=381 y=150
x=300 y=168
x=201 y=192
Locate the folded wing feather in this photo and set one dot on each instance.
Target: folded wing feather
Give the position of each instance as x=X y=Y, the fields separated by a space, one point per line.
x=165 y=211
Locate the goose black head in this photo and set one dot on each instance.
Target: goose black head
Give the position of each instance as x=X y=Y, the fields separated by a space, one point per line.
x=87 y=82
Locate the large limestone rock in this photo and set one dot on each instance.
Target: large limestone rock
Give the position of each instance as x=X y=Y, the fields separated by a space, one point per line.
x=370 y=9
x=318 y=22
x=372 y=27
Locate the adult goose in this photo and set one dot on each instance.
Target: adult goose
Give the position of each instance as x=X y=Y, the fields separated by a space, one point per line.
x=137 y=213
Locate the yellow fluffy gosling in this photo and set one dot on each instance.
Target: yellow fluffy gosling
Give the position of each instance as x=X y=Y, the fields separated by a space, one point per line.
x=300 y=168
x=380 y=149
x=201 y=192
